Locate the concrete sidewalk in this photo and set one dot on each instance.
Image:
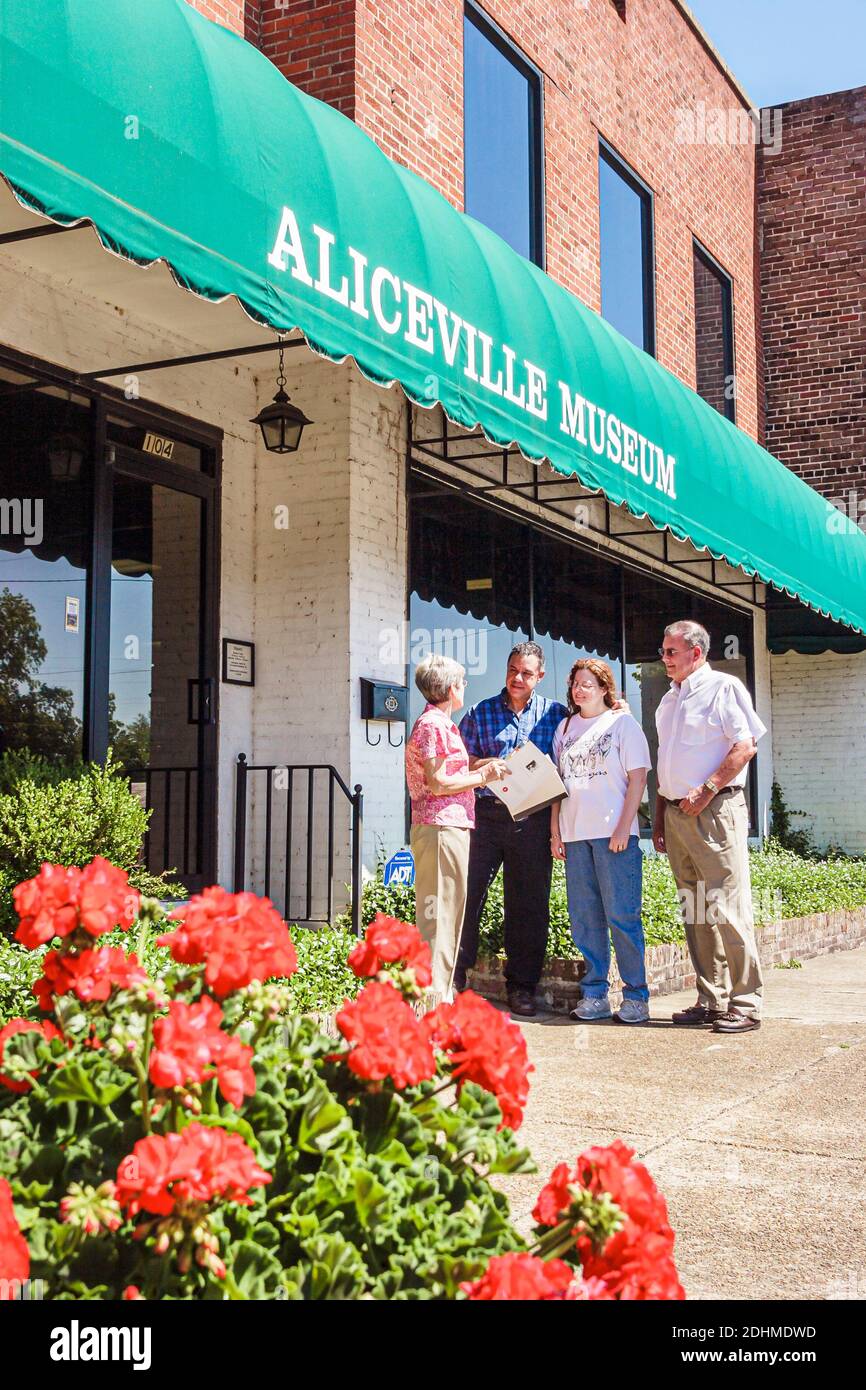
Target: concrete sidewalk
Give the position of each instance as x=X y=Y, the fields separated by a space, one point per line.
x=757 y=1142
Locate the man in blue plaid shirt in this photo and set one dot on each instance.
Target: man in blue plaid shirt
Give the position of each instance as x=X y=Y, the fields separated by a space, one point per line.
x=492 y=729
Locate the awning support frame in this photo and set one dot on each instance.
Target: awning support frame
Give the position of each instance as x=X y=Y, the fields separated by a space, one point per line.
x=476 y=483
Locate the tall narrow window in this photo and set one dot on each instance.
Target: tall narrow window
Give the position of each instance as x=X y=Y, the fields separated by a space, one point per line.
x=503 y=137
x=626 y=238
x=714 y=334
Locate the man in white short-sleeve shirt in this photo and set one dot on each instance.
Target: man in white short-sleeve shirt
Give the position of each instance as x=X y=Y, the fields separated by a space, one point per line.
x=708 y=732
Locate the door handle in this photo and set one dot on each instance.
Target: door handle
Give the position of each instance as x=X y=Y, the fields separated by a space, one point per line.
x=207 y=701
x=205 y=713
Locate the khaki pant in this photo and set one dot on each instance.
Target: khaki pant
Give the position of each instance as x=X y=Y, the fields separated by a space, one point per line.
x=709 y=857
x=441 y=864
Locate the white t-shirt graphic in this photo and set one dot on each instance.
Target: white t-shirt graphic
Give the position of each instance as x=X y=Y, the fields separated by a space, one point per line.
x=594 y=758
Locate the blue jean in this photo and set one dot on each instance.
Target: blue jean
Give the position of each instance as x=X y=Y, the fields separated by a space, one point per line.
x=604 y=901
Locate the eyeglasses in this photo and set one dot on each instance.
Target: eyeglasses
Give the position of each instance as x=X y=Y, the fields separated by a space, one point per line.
x=669 y=651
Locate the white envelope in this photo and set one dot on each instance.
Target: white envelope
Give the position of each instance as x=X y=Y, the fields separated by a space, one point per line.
x=532 y=782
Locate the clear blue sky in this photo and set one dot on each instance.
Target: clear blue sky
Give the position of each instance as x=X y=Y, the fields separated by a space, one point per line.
x=782 y=50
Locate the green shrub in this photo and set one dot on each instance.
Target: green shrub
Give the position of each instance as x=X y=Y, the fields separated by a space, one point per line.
x=323 y=979
x=19 y=969
x=70 y=822
x=784 y=884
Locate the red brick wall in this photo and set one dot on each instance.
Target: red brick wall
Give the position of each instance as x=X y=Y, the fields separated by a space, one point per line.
x=239 y=15
x=313 y=43
x=812 y=211
x=396 y=67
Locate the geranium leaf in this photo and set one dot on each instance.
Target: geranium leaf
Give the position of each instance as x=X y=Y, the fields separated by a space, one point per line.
x=323 y=1121
x=250 y=1268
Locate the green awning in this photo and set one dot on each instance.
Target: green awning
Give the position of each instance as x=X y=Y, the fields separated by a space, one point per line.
x=180 y=142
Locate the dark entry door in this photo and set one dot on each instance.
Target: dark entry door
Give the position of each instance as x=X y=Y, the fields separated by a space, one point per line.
x=162 y=687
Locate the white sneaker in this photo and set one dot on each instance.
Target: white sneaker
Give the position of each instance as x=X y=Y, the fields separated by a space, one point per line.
x=590 y=1009
x=633 y=1011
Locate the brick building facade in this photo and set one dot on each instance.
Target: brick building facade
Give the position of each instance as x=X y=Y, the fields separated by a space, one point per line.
x=627 y=73
x=321 y=597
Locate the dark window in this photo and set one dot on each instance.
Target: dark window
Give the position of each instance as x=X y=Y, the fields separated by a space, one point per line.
x=714 y=334
x=626 y=242
x=503 y=137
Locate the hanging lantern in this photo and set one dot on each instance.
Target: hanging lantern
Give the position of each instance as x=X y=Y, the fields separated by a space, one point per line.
x=65 y=456
x=281 y=423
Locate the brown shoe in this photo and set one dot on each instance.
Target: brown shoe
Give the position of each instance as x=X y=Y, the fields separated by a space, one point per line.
x=696 y=1016
x=735 y=1022
x=522 y=1003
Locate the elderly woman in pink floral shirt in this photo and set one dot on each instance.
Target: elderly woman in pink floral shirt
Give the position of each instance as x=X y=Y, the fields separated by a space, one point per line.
x=442 y=791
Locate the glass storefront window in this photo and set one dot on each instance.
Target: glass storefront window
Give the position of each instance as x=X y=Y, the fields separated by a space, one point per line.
x=470 y=590
x=575 y=606
x=481 y=582
x=45 y=537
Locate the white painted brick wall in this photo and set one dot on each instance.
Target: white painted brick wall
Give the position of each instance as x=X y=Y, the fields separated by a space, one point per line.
x=819 y=744
x=378 y=601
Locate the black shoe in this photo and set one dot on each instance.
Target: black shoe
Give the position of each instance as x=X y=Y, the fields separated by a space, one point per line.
x=522 y=1002
x=735 y=1022
x=459 y=981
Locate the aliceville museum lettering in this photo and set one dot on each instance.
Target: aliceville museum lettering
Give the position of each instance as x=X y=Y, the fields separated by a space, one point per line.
x=346 y=277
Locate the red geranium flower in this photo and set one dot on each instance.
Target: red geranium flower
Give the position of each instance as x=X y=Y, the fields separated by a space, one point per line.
x=23 y=1025
x=387 y=940
x=58 y=900
x=14 y=1254
x=554 y=1199
x=234 y=1072
x=89 y=974
x=388 y=1039
x=200 y=1164
x=485 y=1047
x=189 y=1039
x=633 y=1266
x=240 y=937
x=637 y=1260
x=522 y=1276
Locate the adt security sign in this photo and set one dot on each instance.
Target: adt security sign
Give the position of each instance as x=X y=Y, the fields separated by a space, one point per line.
x=400 y=868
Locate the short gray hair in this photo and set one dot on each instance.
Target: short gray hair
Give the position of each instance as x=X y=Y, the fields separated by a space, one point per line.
x=692 y=633
x=435 y=675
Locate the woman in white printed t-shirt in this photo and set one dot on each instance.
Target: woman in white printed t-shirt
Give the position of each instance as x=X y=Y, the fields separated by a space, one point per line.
x=603 y=759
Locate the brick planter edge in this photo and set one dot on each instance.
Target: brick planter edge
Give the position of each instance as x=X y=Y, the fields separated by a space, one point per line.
x=669 y=968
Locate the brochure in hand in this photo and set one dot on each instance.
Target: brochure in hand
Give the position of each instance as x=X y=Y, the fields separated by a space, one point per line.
x=532 y=782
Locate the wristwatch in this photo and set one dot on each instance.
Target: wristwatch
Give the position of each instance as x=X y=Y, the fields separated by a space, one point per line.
x=711 y=786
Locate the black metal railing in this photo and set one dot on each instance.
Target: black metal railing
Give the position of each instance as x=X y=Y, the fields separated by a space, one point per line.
x=297 y=840
x=173 y=838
